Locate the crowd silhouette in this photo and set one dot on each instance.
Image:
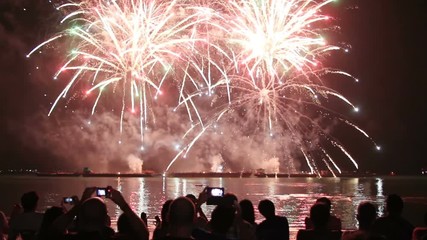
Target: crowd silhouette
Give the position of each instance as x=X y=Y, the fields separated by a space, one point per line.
x=183 y=218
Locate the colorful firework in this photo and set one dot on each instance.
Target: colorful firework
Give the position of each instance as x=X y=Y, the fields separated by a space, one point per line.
x=276 y=75
x=129 y=48
x=261 y=58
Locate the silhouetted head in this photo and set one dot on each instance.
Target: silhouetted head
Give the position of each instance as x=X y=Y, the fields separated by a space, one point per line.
x=319 y=215
x=222 y=219
x=229 y=199
x=49 y=217
x=266 y=208
x=425 y=218
x=123 y=224
x=51 y=214
x=366 y=214
x=325 y=201
x=191 y=197
x=92 y=215
x=247 y=211
x=29 y=201
x=181 y=212
x=394 y=204
x=165 y=210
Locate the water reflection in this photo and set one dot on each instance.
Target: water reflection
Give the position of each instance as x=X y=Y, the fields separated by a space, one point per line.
x=380 y=196
x=293 y=197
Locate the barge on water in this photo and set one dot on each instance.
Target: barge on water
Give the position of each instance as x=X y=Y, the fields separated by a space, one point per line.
x=262 y=174
x=58 y=174
x=210 y=174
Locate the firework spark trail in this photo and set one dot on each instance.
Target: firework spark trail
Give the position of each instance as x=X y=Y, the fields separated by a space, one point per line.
x=276 y=70
x=134 y=44
x=265 y=56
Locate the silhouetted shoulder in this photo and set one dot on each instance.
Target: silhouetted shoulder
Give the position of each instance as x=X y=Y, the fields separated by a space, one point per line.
x=393 y=228
x=175 y=238
x=318 y=235
x=276 y=227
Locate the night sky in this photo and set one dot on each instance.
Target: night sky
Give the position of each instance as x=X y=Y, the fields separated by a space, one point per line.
x=388 y=54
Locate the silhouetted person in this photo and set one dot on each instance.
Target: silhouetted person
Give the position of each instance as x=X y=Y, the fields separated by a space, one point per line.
x=144 y=218
x=420 y=233
x=201 y=219
x=247 y=211
x=240 y=229
x=181 y=218
x=222 y=219
x=124 y=229
x=49 y=217
x=319 y=215
x=334 y=223
x=92 y=220
x=366 y=215
x=27 y=223
x=393 y=226
x=273 y=227
x=162 y=224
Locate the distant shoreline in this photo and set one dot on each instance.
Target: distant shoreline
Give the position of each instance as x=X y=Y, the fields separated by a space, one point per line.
x=196 y=175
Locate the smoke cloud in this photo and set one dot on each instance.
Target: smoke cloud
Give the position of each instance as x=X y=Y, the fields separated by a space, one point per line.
x=96 y=142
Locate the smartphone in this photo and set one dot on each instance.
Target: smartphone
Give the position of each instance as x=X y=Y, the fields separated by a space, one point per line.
x=215 y=195
x=102 y=192
x=69 y=200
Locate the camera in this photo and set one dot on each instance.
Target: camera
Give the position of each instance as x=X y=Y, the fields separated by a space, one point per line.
x=103 y=192
x=215 y=195
x=68 y=200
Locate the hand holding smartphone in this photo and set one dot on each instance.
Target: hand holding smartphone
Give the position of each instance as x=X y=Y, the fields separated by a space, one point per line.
x=103 y=192
x=214 y=195
x=70 y=200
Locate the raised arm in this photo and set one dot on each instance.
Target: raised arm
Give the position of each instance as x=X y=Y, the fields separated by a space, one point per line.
x=136 y=222
x=60 y=225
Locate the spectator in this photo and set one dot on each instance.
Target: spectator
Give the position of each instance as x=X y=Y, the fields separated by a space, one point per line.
x=181 y=218
x=221 y=221
x=420 y=233
x=92 y=220
x=201 y=219
x=49 y=217
x=366 y=215
x=248 y=212
x=319 y=215
x=273 y=227
x=125 y=231
x=334 y=223
x=144 y=218
x=162 y=224
x=240 y=228
x=27 y=223
x=393 y=226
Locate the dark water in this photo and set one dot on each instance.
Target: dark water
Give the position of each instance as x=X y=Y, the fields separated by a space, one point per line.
x=292 y=197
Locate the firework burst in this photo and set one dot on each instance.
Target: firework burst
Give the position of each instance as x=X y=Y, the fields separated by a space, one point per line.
x=129 y=48
x=275 y=79
x=259 y=58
